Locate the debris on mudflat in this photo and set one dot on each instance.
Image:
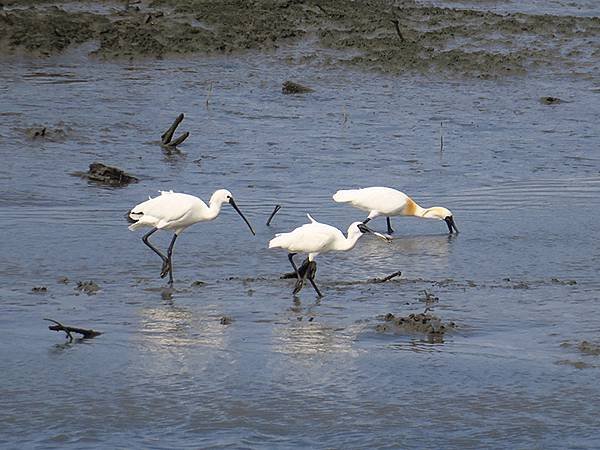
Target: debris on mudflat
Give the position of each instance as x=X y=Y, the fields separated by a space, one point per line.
x=550 y=100
x=88 y=287
x=585 y=347
x=63 y=280
x=564 y=282
x=86 y=333
x=226 y=320
x=166 y=138
x=290 y=87
x=415 y=323
x=589 y=348
x=46 y=133
x=39 y=289
x=101 y=173
x=429 y=298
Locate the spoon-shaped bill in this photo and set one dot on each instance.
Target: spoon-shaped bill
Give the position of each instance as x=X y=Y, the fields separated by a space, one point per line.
x=365 y=229
x=232 y=203
x=450 y=222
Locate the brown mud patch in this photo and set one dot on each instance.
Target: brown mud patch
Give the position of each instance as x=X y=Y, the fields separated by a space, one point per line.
x=109 y=175
x=394 y=37
x=422 y=323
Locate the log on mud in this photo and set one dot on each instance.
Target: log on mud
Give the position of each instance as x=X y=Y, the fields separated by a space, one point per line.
x=167 y=136
x=86 y=333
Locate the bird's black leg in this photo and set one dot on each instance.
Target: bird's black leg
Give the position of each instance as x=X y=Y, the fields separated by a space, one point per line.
x=300 y=280
x=301 y=271
x=311 y=271
x=389 y=225
x=168 y=264
x=154 y=249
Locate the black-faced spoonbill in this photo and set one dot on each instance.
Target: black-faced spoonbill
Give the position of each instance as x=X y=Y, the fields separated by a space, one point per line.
x=383 y=201
x=176 y=211
x=314 y=238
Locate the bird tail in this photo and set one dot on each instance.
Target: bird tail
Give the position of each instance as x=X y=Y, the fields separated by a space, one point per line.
x=277 y=241
x=345 y=196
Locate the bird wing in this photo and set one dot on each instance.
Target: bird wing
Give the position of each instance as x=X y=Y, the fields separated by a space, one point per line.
x=314 y=237
x=382 y=199
x=164 y=209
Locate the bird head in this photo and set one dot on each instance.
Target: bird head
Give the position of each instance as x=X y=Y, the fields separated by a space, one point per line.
x=359 y=227
x=441 y=213
x=221 y=196
x=224 y=196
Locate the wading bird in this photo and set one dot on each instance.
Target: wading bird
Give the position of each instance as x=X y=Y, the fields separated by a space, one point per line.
x=175 y=211
x=314 y=238
x=383 y=201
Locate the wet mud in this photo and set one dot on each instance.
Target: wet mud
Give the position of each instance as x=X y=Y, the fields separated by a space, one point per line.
x=87 y=287
x=422 y=323
x=103 y=174
x=291 y=87
x=390 y=37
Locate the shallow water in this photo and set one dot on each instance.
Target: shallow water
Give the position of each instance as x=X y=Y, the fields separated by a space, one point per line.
x=521 y=177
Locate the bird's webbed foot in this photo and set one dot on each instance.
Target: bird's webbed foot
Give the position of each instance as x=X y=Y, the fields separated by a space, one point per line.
x=166 y=268
x=299 y=285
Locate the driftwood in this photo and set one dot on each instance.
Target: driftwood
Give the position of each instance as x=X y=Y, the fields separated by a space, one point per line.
x=384 y=279
x=277 y=208
x=87 y=334
x=101 y=173
x=166 y=137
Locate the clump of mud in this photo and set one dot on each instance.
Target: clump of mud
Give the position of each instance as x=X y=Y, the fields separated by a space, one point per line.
x=87 y=287
x=585 y=347
x=396 y=37
x=291 y=87
x=550 y=100
x=53 y=134
x=424 y=323
x=112 y=176
x=226 y=320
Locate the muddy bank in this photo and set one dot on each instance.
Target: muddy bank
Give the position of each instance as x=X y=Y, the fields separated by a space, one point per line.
x=398 y=37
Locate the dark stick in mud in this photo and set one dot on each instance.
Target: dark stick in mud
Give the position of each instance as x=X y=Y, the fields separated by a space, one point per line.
x=277 y=208
x=396 y=23
x=388 y=278
x=87 y=334
x=441 y=137
x=210 y=87
x=168 y=135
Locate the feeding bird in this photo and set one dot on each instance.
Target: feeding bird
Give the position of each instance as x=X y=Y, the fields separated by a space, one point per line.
x=314 y=238
x=176 y=211
x=384 y=201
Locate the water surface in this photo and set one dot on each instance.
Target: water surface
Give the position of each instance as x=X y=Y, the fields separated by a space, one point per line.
x=520 y=281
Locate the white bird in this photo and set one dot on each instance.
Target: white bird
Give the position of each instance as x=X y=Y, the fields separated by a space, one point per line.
x=314 y=238
x=175 y=211
x=384 y=201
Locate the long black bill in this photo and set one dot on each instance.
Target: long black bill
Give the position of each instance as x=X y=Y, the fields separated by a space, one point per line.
x=232 y=203
x=450 y=222
x=365 y=229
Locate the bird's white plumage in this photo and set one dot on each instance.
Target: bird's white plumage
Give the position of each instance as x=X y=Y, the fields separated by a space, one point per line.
x=170 y=211
x=382 y=200
x=315 y=237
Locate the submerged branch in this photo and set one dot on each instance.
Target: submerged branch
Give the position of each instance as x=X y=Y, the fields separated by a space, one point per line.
x=87 y=334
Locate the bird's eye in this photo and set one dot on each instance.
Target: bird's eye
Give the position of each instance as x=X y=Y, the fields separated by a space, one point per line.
x=229 y=197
